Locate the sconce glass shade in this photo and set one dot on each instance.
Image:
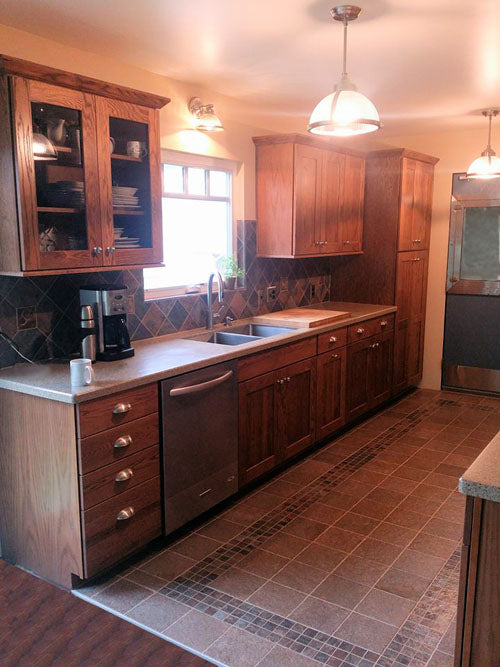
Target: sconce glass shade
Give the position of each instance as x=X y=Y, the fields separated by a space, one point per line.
x=344 y=113
x=43 y=148
x=484 y=167
x=208 y=121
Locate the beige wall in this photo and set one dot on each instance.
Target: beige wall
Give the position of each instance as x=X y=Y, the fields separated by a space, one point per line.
x=455 y=151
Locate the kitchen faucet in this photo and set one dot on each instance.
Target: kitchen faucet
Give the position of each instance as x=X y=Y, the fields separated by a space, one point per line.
x=220 y=295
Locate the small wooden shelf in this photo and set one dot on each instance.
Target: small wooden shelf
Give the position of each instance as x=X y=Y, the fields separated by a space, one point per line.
x=57 y=209
x=128 y=158
x=124 y=211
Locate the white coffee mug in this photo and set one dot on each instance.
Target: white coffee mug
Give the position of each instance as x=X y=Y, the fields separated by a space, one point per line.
x=81 y=372
x=136 y=149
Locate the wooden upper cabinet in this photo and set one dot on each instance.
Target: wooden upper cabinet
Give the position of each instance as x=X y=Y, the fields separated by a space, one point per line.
x=416 y=204
x=60 y=223
x=309 y=198
x=68 y=215
x=130 y=186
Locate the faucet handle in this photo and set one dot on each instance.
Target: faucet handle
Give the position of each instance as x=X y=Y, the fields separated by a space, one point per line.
x=227 y=320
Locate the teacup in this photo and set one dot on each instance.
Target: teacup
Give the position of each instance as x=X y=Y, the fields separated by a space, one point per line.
x=136 y=149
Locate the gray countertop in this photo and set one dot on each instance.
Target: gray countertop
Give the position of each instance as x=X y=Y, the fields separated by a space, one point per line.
x=158 y=358
x=482 y=478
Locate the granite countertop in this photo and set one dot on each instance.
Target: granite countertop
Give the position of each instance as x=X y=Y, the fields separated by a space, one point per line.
x=165 y=356
x=482 y=478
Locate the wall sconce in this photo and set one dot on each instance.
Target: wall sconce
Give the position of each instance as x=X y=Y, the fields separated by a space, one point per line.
x=205 y=117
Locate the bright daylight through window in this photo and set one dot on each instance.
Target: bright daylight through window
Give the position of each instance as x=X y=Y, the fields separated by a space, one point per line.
x=197 y=228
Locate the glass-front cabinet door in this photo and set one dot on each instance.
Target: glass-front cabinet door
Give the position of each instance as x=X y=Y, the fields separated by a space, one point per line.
x=130 y=183
x=57 y=175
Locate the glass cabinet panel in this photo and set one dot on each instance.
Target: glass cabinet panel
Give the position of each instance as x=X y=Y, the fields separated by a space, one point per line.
x=58 y=154
x=130 y=184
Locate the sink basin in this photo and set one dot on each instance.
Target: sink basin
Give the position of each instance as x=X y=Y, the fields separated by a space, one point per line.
x=260 y=330
x=225 y=338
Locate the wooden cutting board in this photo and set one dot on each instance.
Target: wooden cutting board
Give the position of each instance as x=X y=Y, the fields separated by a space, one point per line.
x=302 y=317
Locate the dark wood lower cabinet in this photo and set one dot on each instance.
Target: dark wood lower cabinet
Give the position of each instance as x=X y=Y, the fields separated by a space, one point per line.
x=295 y=408
x=276 y=418
x=257 y=452
x=369 y=374
x=330 y=392
x=478 y=626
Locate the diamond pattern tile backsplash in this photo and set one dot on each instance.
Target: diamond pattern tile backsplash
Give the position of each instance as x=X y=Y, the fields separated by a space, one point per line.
x=41 y=313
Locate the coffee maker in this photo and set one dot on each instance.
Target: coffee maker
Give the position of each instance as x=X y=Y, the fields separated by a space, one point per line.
x=109 y=303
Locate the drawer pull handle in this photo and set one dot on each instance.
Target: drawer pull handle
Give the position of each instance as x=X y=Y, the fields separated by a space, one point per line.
x=347 y=243
x=383 y=323
x=417 y=240
x=374 y=345
x=333 y=339
x=204 y=493
x=416 y=259
x=124 y=441
x=334 y=356
x=122 y=408
x=360 y=330
x=124 y=475
x=125 y=514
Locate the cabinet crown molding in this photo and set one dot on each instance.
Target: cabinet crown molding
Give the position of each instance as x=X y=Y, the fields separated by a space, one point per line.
x=58 y=77
x=308 y=140
x=402 y=152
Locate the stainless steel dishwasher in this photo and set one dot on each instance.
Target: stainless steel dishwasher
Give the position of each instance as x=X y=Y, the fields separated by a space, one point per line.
x=200 y=441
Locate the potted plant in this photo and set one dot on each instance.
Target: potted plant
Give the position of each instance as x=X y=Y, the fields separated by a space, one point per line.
x=230 y=272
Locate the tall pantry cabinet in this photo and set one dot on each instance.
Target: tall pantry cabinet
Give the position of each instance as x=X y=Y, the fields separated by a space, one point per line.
x=393 y=267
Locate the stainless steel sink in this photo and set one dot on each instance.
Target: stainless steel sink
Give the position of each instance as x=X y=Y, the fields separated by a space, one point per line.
x=260 y=330
x=224 y=338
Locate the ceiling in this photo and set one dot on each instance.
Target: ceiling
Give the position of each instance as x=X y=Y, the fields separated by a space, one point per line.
x=425 y=64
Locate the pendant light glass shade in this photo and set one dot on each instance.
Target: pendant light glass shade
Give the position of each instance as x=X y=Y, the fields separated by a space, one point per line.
x=488 y=165
x=345 y=112
x=43 y=149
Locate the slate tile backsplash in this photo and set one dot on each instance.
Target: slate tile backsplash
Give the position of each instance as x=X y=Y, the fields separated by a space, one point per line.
x=41 y=313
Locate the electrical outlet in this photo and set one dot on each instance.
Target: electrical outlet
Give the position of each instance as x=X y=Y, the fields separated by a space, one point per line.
x=312 y=291
x=271 y=293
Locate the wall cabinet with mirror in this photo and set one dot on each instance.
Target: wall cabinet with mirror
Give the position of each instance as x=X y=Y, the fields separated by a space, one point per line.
x=82 y=184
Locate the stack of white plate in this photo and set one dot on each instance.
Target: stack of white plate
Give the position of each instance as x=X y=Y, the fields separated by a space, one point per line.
x=121 y=241
x=124 y=197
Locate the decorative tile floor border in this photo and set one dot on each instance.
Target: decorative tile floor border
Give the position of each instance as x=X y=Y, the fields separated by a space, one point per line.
x=416 y=639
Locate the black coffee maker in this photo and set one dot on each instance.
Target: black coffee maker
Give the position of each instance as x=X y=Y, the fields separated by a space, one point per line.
x=109 y=303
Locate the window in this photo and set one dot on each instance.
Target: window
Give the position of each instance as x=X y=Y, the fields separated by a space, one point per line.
x=197 y=224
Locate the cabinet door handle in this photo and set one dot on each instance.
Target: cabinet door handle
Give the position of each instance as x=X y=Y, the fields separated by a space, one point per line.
x=416 y=259
x=374 y=345
x=334 y=356
x=125 y=514
x=417 y=240
x=124 y=475
x=96 y=251
x=123 y=441
x=110 y=250
x=333 y=339
x=280 y=381
x=383 y=324
x=360 y=330
x=347 y=243
x=122 y=408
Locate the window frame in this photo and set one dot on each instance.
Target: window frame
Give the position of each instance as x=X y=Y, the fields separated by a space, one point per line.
x=206 y=162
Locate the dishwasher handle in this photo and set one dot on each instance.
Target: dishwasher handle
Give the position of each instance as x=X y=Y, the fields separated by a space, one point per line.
x=203 y=386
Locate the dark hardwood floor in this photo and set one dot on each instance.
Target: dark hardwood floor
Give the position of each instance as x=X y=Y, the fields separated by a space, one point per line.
x=43 y=625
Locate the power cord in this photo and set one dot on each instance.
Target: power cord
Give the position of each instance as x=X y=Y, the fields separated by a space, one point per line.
x=15 y=347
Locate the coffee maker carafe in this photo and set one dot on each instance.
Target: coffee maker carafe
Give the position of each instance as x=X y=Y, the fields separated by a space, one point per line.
x=110 y=311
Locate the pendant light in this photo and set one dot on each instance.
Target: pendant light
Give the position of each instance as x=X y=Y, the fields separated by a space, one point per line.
x=488 y=165
x=345 y=112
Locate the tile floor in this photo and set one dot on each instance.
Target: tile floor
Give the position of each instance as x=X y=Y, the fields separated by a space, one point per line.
x=350 y=557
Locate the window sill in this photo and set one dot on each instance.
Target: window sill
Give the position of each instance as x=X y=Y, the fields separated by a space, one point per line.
x=158 y=293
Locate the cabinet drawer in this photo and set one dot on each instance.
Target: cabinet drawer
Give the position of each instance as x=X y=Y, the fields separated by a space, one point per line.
x=369 y=328
x=264 y=362
x=107 y=539
x=117 y=443
x=332 y=339
x=116 y=478
x=102 y=413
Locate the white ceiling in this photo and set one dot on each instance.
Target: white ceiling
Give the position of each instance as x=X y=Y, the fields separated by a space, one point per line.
x=426 y=64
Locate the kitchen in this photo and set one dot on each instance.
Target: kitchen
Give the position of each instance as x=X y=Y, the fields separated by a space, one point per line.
x=259 y=468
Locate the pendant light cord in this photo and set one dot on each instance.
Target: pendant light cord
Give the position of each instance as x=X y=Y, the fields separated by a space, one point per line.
x=344 y=58
x=488 y=147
